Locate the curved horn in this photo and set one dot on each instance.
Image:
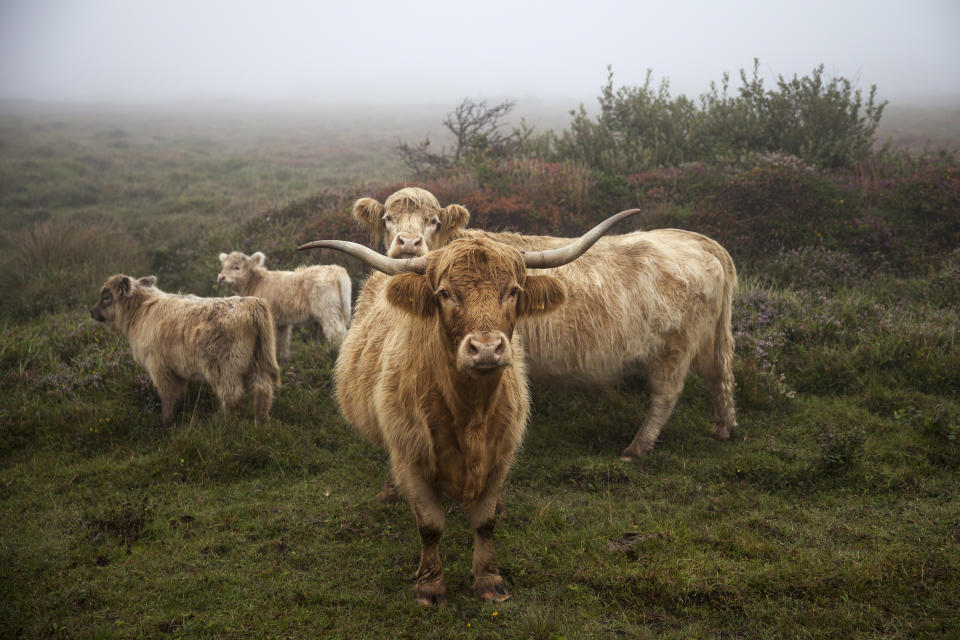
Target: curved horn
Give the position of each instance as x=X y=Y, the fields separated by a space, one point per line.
x=380 y=262
x=568 y=253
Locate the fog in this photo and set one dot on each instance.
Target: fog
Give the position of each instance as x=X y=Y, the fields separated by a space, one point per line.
x=440 y=51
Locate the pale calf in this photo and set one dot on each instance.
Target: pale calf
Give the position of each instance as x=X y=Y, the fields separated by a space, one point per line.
x=320 y=292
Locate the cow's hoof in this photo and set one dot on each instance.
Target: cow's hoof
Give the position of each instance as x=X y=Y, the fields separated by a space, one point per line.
x=435 y=600
x=388 y=494
x=430 y=594
x=491 y=588
x=720 y=432
x=632 y=452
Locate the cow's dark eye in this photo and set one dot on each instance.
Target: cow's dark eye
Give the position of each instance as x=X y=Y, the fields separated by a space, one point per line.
x=514 y=292
x=436 y=222
x=387 y=218
x=106 y=296
x=444 y=294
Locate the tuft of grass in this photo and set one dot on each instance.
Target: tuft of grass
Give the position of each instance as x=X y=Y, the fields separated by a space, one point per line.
x=55 y=266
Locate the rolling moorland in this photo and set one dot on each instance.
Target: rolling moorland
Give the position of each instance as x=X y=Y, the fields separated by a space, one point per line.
x=831 y=513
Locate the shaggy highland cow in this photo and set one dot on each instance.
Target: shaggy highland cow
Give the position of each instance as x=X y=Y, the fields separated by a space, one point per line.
x=226 y=342
x=432 y=371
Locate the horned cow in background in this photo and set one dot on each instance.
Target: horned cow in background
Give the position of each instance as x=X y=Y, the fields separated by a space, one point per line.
x=320 y=292
x=226 y=342
x=656 y=303
x=432 y=371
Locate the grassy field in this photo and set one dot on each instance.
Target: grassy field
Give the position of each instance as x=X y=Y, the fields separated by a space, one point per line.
x=832 y=512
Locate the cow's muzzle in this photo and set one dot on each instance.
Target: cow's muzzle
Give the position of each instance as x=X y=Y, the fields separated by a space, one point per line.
x=486 y=351
x=407 y=246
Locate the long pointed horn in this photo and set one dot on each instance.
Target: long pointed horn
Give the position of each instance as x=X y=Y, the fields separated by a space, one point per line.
x=380 y=262
x=562 y=255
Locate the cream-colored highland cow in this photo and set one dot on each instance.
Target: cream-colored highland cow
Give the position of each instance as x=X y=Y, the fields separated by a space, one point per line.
x=320 y=292
x=657 y=303
x=226 y=342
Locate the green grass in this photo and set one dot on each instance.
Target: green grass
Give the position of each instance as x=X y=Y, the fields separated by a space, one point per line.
x=831 y=513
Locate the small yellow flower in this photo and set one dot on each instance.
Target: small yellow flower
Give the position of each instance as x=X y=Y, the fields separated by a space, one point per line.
x=495 y=613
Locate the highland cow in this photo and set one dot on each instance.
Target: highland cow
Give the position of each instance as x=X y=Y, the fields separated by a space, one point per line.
x=227 y=342
x=432 y=371
x=320 y=292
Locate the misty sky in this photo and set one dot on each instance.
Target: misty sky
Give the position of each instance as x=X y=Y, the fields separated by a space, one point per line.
x=414 y=52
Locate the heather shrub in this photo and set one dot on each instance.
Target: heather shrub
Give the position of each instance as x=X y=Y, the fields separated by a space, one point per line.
x=770 y=207
x=758 y=325
x=812 y=267
x=923 y=206
x=59 y=266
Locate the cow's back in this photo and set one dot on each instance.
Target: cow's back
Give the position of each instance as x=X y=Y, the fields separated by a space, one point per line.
x=625 y=297
x=197 y=338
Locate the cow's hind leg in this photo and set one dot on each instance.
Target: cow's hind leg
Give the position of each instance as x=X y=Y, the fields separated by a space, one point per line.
x=666 y=386
x=331 y=320
x=259 y=386
x=488 y=584
x=430 y=588
x=229 y=390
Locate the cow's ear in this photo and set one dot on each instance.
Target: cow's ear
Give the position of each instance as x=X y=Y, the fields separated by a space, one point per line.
x=412 y=293
x=369 y=214
x=540 y=294
x=147 y=281
x=258 y=259
x=124 y=285
x=223 y=257
x=454 y=217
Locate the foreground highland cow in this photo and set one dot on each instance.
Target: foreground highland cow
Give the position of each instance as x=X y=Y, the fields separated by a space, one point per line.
x=226 y=342
x=320 y=292
x=432 y=371
x=656 y=303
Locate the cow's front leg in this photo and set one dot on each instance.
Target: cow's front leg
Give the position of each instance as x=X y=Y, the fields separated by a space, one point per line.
x=488 y=584
x=430 y=588
x=171 y=388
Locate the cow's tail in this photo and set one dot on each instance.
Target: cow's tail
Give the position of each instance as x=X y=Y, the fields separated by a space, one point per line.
x=343 y=280
x=724 y=342
x=265 y=351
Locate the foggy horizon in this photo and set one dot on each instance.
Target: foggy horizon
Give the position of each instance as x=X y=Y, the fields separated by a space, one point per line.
x=380 y=53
